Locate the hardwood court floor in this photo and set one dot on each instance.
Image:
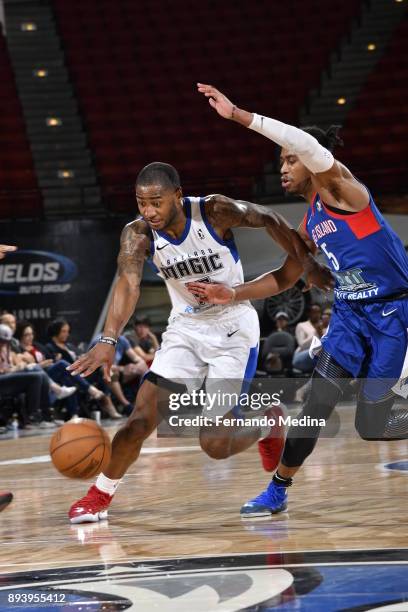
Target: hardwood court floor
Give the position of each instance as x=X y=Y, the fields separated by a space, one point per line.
x=175 y=501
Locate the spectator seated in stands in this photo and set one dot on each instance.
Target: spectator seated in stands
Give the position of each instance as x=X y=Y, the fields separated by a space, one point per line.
x=33 y=355
x=7 y=318
x=15 y=380
x=326 y=316
x=125 y=373
x=305 y=332
x=142 y=339
x=279 y=347
x=59 y=348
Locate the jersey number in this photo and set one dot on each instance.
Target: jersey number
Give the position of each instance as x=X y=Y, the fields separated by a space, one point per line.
x=330 y=256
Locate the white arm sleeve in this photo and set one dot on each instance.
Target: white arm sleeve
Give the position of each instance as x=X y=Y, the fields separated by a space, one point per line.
x=315 y=157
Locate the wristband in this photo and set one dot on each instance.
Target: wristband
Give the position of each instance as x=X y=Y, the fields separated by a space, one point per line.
x=107 y=340
x=234 y=295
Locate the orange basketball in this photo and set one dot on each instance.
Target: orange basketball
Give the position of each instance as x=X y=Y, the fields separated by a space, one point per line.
x=80 y=449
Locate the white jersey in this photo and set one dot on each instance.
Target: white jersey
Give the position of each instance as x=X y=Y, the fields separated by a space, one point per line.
x=198 y=255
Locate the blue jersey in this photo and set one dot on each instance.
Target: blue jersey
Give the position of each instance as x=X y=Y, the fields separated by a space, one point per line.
x=367 y=257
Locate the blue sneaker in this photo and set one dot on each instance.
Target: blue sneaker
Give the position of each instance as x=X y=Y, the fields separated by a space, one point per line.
x=271 y=501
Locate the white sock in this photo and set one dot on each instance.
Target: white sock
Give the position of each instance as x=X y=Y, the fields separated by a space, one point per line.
x=265 y=431
x=107 y=485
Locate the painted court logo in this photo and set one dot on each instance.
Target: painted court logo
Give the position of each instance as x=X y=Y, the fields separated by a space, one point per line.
x=229 y=583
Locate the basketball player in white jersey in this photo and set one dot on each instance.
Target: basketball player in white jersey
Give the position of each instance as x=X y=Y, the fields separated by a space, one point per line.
x=188 y=239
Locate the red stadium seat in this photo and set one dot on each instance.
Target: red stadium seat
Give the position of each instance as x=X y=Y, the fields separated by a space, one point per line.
x=376 y=131
x=135 y=73
x=19 y=194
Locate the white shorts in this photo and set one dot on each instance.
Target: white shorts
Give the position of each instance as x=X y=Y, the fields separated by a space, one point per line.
x=222 y=352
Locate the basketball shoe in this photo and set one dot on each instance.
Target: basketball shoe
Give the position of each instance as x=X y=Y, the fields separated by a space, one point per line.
x=271 y=501
x=91 y=508
x=271 y=447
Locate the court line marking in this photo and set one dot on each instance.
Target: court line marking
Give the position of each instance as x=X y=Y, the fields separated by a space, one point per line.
x=131 y=575
x=159 y=450
x=91 y=563
x=381 y=467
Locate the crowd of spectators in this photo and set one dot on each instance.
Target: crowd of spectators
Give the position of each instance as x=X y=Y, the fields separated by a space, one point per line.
x=36 y=386
x=287 y=351
x=38 y=391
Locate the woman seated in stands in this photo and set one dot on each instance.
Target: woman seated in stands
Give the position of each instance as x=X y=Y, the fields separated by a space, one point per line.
x=58 y=348
x=16 y=379
x=32 y=355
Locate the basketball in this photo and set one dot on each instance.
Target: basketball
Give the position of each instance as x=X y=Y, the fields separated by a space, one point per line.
x=80 y=449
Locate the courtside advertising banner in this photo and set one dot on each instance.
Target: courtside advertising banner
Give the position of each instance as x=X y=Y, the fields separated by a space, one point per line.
x=61 y=269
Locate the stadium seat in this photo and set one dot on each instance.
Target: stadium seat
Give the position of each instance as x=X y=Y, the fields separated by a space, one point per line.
x=135 y=70
x=376 y=130
x=17 y=176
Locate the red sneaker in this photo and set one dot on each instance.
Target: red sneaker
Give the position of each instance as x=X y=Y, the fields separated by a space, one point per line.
x=5 y=499
x=91 y=508
x=271 y=447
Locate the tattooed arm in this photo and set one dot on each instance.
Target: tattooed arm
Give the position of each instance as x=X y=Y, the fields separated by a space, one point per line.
x=134 y=247
x=271 y=283
x=224 y=213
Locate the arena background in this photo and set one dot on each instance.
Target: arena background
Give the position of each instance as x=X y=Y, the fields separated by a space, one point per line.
x=91 y=91
x=88 y=99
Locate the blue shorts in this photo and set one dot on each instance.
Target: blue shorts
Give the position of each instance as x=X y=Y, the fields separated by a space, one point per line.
x=369 y=340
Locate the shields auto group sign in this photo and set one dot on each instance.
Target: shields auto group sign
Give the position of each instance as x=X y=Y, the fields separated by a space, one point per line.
x=62 y=269
x=28 y=272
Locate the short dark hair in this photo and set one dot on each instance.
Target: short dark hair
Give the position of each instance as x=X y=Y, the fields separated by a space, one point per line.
x=21 y=327
x=158 y=173
x=329 y=138
x=55 y=327
x=141 y=321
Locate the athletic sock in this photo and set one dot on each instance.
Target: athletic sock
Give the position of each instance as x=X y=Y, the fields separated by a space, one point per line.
x=281 y=481
x=107 y=485
x=265 y=430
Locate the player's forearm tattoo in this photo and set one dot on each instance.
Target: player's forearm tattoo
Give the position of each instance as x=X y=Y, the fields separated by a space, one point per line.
x=134 y=247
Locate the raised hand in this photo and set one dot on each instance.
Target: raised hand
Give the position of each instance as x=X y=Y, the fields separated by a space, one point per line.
x=217 y=100
x=213 y=293
x=4 y=249
x=100 y=355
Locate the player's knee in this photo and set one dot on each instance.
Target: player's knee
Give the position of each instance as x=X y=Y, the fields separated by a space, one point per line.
x=372 y=417
x=215 y=447
x=323 y=397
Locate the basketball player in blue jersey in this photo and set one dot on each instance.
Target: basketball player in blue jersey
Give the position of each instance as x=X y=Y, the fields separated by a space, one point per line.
x=368 y=332
x=188 y=239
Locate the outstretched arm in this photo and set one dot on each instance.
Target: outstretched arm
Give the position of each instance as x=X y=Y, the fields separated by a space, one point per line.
x=225 y=214
x=264 y=286
x=328 y=174
x=134 y=247
x=268 y=284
